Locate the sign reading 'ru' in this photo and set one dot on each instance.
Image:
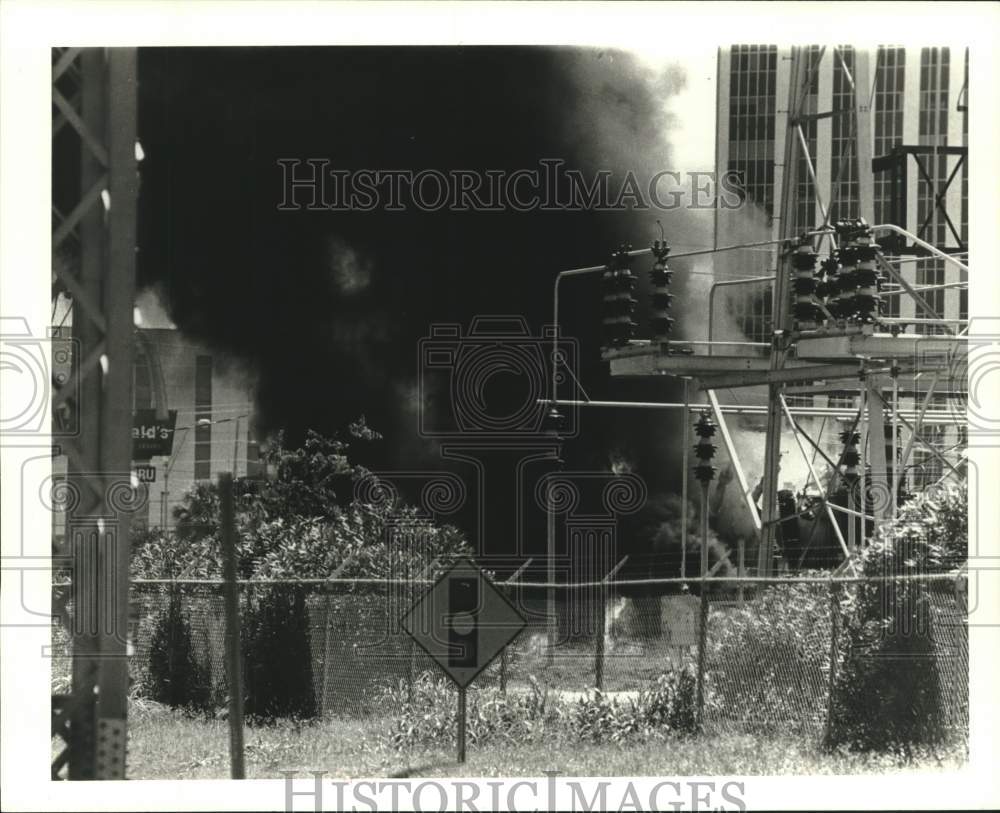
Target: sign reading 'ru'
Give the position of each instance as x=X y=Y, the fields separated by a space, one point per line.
x=463 y=622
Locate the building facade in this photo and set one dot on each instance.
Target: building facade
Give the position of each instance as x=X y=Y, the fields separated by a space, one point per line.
x=918 y=132
x=918 y=99
x=214 y=428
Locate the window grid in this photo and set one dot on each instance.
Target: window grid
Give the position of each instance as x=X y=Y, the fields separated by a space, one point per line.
x=752 y=111
x=142 y=387
x=889 y=88
x=846 y=192
x=805 y=208
x=753 y=74
x=933 y=130
x=751 y=309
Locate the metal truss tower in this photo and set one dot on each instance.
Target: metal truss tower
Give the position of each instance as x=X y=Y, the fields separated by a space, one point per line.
x=94 y=92
x=829 y=335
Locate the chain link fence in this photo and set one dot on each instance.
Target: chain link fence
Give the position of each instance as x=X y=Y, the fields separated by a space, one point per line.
x=769 y=646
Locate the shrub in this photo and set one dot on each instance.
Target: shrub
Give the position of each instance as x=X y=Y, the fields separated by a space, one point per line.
x=672 y=701
x=277 y=658
x=176 y=678
x=768 y=659
x=888 y=692
x=428 y=714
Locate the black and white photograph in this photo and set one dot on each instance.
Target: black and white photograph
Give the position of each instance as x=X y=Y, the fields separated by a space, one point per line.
x=495 y=406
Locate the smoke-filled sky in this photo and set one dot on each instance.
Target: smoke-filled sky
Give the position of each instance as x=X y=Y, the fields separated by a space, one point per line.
x=327 y=307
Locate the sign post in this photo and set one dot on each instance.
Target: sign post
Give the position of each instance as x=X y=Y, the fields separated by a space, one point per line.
x=461 y=724
x=463 y=622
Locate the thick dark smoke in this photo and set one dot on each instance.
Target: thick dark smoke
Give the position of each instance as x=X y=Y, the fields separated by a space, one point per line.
x=327 y=307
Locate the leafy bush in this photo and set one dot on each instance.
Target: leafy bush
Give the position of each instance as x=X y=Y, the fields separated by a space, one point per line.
x=294 y=526
x=277 y=659
x=668 y=706
x=672 y=701
x=767 y=660
x=888 y=692
x=176 y=678
x=428 y=713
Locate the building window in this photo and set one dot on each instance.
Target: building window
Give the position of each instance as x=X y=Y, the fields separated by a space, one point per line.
x=844 y=196
x=751 y=310
x=142 y=383
x=805 y=208
x=203 y=411
x=752 y=80
x=888 y=113
x=933 y=131
x=842 y=402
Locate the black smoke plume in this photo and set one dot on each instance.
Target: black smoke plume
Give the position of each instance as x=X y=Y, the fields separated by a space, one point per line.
x=327 y=307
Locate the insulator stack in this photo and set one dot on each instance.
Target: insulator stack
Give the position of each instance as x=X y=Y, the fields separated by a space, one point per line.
x=852 y=457
x=868 y=302
x=660 y=277
x=847 y=257
x=618 y=283
x=859 y=280
x=704 y=450
x=828 y=274
x=804 y=287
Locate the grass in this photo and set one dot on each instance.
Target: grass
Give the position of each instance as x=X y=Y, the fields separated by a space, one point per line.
x=167 y=745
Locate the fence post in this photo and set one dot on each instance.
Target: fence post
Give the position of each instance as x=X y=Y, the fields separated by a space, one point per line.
x=703 y=621
x=324 y=683
x=421 y=577
x=602 y=610
x=702 y=644
x=602 y=627
x=329 y=605
x=503 y=655
x=235 y=668
x=409 y=674
x=741 y=569
x=834 y=652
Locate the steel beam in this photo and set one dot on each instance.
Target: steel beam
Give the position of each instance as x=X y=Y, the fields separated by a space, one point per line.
x=734 y=458
x=91 y=719
x=798 y=85
x=927 y=349
x=685 y=454
x=817 y=481
x=792 y=374
x=878 y=473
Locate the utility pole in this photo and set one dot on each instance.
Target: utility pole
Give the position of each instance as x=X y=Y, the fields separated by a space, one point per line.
x=553 y=423
x=704 y=471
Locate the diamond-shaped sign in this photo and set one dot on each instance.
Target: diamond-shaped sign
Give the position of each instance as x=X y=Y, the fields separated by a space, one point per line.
x=463 y=622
